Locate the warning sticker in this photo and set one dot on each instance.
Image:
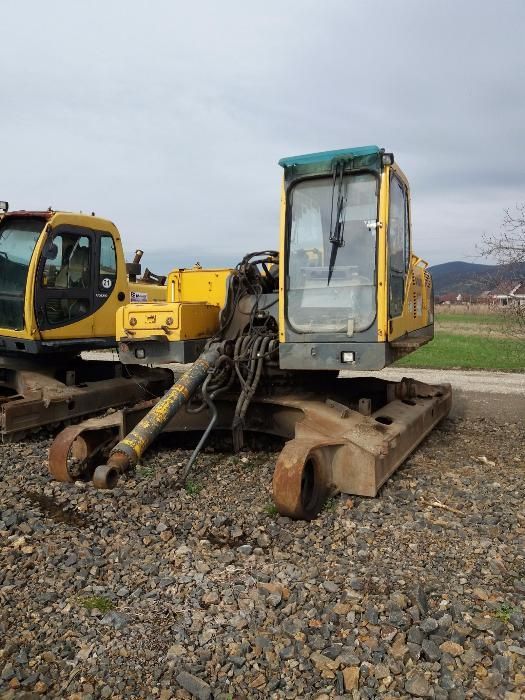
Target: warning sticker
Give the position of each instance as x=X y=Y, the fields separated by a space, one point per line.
x=139 y=297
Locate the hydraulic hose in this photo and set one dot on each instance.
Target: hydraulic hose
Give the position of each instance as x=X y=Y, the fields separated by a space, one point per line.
x=214 y=415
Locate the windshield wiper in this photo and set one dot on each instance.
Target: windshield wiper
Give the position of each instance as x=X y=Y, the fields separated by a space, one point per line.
x=337 y=232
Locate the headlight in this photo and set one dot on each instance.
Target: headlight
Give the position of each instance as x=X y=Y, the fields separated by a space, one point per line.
x=347 y=356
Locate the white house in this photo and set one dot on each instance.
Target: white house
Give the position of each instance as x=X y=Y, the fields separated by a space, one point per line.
x=508 y=294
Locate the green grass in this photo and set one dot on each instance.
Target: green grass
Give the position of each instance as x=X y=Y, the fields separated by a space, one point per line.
x=329 y=505
x=504 y=612
x=271 y=510
x=495 y=319
x=96 y=602
x=145 y=472
x=449 y=350
x=192 y=487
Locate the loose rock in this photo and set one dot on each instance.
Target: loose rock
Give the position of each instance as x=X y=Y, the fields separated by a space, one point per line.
x=195 y=686
x=149 y=583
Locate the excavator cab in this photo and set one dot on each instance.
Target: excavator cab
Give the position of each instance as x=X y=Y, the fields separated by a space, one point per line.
x=352 y=287
x=62 y=278
x=351 y=293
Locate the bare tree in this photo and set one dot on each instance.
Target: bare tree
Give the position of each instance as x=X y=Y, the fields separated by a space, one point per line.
x=507 y=247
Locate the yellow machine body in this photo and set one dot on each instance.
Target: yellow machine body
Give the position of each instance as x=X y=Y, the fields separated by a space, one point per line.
x=62 y=278
x=174 y=330
x=355 y=303
x=198 y=284
x=417 y=309
x=173 y=321
x=267 y=340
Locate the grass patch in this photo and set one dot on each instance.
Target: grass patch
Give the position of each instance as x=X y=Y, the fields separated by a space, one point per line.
x=271 y=510
x=145 y=472
x=494 y=319
x=192 y=487
x=329 y=504
x=449 y=350
x=96 y=602
x=504 y=612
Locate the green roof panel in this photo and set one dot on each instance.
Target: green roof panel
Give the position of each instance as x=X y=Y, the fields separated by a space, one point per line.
x=329 y=156
x=321 y=163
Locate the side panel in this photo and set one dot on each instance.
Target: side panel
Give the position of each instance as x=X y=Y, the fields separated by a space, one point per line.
x=167 y=321
x=142 y=293
x=417 y=309
x=198 y=285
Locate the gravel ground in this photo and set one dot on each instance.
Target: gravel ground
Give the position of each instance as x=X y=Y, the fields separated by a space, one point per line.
x=151 y=591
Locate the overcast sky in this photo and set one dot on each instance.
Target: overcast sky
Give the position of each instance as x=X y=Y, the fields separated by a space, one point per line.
x=169 y=117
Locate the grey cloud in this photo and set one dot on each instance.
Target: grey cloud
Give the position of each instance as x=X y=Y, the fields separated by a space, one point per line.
x=169 y=118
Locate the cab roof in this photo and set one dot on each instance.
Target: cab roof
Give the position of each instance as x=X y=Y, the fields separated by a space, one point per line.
x=323 y=157
x=60 y=217
x=322 y=163
x=30 y=213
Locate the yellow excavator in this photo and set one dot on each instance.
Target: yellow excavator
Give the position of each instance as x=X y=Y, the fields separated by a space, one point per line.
x=62 y=279
x=281 y=343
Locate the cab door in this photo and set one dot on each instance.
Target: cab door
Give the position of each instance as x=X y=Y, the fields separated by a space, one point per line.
x=64 y=292
x=76 y=277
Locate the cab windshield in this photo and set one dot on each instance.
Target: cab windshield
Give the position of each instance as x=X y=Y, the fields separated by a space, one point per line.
x=332 y=254
x=17 y=242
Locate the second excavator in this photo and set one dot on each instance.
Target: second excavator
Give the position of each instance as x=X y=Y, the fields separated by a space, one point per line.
x=282 y=343
x=62 y=279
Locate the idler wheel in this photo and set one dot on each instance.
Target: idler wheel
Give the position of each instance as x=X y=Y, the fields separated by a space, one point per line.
x=68 y=454
x=76 y=451
x=301 y=481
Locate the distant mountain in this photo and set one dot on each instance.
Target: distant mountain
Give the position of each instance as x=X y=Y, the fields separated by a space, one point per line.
x=465 y=278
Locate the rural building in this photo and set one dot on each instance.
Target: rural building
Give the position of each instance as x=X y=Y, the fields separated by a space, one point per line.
x=507 y=294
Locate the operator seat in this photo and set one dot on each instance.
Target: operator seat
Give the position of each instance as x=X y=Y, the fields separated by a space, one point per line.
x=75 y=272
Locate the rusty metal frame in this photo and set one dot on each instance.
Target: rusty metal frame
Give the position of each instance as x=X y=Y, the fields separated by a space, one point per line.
x=336 y=441
x=351 y=452
x=32 y=397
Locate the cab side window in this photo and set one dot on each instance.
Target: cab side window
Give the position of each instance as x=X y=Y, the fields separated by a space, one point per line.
x=108 y=264
x=398 y=246
x=67 y=264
